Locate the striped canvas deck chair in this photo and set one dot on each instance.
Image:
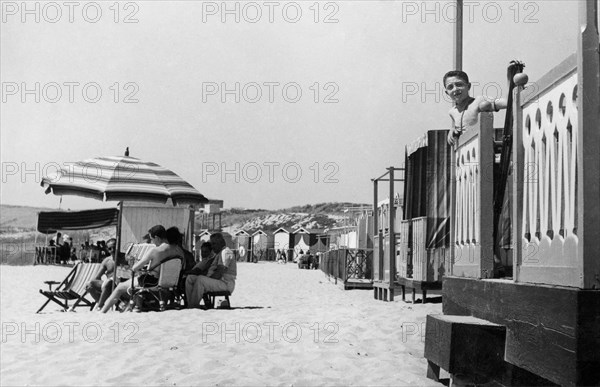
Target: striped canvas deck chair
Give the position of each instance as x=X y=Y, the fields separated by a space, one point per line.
x=138 y=250
x=73 y=287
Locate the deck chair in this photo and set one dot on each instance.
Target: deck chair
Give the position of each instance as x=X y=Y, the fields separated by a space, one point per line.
x=138 y=250
x=73 y=287
x=165 y=293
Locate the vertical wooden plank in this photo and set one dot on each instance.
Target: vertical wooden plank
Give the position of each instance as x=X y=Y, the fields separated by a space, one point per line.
x=392 y=234
x=452 y=193
x=588 y=158
x=377 y=257
x=486 y=193
x=119 y=237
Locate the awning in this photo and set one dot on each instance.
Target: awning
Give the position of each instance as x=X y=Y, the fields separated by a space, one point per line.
x=51 y=221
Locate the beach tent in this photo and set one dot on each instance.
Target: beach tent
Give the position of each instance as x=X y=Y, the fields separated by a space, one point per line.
x=322 y=242
x=305 y=239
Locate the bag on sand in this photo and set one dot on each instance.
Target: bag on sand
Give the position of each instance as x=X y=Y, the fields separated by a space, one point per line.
x=145 y=301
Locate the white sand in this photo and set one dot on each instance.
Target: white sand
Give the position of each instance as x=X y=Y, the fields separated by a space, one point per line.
x=311 y=333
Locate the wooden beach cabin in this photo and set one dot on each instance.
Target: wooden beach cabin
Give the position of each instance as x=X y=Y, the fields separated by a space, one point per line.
x=284 y=240
x=424 y=244
x=262 y=245
x=349 y=261
x=542 y=325
x=386 y=222
x=209 y=215
x=204 y=236
x=242 y=242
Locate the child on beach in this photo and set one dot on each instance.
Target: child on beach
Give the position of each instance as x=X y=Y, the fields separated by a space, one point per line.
x=466 y=109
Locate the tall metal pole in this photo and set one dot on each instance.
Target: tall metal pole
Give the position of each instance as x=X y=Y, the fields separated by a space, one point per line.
x=458 y=36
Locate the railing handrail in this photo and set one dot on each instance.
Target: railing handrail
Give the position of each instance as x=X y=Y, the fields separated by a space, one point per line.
x=547 y=82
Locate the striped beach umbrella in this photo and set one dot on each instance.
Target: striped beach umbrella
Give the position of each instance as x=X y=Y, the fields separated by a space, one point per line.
x=122 y=178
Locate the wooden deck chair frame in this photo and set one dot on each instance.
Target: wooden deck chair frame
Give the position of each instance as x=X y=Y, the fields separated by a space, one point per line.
x=73 y=287
x=209 y=298
x=166 y=290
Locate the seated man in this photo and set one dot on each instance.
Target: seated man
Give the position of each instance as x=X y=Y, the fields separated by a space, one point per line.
x=223 y=270
x=99 y=289
x=166 y=243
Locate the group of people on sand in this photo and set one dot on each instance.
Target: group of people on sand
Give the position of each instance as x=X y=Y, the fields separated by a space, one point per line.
x=60 y=249
x=216 y=271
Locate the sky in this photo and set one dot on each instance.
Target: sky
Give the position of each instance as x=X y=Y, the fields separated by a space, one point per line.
x=259 y=104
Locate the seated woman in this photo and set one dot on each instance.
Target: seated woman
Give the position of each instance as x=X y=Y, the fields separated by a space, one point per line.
x=166 y=243
x=220 y=277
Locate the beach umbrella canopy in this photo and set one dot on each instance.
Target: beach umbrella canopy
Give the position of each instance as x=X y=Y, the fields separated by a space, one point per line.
x=122 y=178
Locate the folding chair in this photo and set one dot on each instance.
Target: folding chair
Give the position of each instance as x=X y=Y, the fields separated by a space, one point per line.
x=166 y=291
x=73 y=287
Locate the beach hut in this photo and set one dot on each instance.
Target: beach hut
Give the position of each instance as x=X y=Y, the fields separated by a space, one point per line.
x=386 y=223
x=541 y=325
x=283 y=239
x=204 y=236
x=242 y=243
x=423 y=252
x=417 y=255
x=262 y=245
x=209 y=215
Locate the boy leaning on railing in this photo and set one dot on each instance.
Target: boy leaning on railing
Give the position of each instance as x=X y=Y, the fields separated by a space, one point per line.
x=465 y=110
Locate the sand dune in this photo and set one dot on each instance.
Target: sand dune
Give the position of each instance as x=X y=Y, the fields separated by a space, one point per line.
x=288 y=327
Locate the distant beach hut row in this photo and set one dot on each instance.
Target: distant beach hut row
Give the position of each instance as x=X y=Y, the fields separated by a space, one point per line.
x=260 y=244
x=265 y=244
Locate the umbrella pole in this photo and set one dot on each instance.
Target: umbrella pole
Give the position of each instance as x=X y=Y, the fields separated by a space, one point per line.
x=116 y=258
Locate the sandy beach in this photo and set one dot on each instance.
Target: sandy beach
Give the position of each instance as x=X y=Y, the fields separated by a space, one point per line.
x=287 y=327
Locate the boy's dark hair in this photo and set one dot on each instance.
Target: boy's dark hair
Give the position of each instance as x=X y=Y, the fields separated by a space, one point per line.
x=206 y=245
x=217 y=241
x=158 y=231
x=456 y=73
x=174 y=237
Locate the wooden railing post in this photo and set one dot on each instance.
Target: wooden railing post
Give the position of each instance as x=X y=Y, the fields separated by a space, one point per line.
x=377 y=257
x=588 y=158
x=517 y=187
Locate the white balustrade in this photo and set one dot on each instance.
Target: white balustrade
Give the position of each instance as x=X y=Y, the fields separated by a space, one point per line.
x=550 y=186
